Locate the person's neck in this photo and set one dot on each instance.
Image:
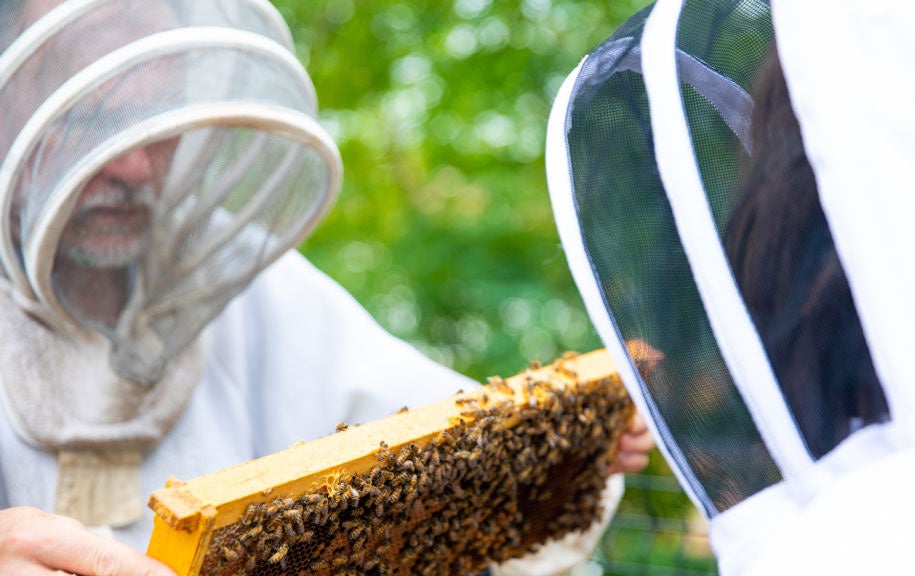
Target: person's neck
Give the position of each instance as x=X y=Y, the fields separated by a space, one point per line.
x=92 y=293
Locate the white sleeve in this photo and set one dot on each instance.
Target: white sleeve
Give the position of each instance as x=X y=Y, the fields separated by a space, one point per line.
x=315 y=357
x=558 y=557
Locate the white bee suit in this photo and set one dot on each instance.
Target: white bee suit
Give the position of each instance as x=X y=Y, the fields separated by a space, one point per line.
x=748 y=212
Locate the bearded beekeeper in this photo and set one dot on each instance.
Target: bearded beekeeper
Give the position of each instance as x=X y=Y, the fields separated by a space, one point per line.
x=733 y=184
x=157 y=156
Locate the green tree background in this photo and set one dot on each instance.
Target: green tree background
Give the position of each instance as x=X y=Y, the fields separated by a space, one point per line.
x=443 y=229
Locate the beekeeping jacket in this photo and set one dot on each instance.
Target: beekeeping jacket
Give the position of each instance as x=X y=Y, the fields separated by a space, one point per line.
x=156 y=157
x=731 y=181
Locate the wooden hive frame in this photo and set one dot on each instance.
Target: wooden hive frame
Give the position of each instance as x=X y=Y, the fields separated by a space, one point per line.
x=335 y=468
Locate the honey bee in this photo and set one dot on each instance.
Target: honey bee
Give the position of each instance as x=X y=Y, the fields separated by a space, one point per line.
x=251 y=564
x=382 y=452
x=499 y=385
x=262 y=546
x=409 y=557
x=321 y=512
x=248 y=517
x=568 y=372
x=229 y=554
x=476 y=435
x=334 y=495
x=294 y=515
x=402 y=456
x=371 y=492
x=441 y=439
x=356 y=532
x=314 y=499
x=279 y=555
x=342 y=426
x=439 y=475
x=275 y=527
x=289 y=529
x=402 y=409
x=353 y=495
x=251 y=534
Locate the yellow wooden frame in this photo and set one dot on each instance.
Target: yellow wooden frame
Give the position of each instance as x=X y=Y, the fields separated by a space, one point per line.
x=187 y=513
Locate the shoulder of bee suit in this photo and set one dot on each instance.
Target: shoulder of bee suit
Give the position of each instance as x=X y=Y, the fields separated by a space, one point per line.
x=315 y=354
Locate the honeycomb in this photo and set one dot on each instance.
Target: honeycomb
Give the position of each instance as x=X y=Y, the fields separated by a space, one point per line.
x=517 y=463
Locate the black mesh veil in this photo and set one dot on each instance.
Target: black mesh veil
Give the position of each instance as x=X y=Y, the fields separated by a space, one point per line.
x=662 y=281
x=775 y=233
x=645 y=279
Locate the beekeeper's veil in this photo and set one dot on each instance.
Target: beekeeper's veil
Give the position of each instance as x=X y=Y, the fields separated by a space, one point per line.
x=760 y=242
x=156 y=155
x=208 y=99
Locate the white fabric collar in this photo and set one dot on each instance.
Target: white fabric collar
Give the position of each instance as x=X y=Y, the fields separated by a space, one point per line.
x=62 y=397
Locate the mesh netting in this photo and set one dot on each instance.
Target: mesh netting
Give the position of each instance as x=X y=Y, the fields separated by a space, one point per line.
x=156 y=169
x=189 y=259
x=52 y=58
x=149 y=89
x=776 y=235
x=634 y=249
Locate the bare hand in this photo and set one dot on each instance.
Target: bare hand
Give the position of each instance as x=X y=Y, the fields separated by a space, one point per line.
x=35 y=543
x=634 y=447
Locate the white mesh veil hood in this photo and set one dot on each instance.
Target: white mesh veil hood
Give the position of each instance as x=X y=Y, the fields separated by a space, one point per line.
x=155 y=156
x=731 y=181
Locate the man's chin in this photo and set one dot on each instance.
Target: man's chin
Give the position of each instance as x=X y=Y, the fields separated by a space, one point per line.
x=109 y=252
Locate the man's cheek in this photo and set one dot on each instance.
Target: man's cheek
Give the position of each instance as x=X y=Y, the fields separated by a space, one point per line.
x=161 y=154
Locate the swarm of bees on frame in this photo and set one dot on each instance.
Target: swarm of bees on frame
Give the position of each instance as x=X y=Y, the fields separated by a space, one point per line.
x=509 y=475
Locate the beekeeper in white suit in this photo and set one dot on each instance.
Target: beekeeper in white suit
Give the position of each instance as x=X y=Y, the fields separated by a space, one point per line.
x=156 y=157
x=732 y=182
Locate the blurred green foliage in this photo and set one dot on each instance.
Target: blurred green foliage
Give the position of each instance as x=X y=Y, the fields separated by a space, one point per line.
x=443 y=229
